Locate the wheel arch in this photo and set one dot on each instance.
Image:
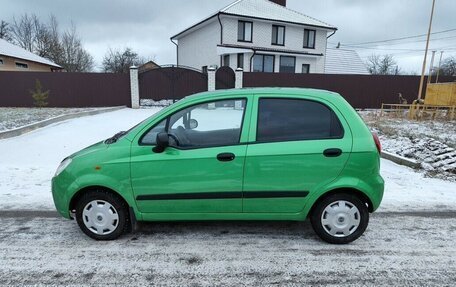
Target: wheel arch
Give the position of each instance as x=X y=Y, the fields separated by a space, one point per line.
x=347 y=190
x=75 y=198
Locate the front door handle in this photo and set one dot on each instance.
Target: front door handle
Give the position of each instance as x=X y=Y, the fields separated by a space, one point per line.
x=225 y=156
x=332 y=152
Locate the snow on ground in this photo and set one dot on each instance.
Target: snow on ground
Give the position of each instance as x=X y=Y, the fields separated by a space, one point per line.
x=430 y=142
x=397 y=249
x=28 y=162
x=439 y=129
x=406 y=189
x=12 y=118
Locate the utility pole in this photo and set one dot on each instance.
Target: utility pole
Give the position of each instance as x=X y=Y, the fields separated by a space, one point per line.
x=431 y=67
x=438 y=70
x=425 y=52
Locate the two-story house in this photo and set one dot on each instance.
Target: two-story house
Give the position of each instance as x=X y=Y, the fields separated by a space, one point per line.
x=258 y=36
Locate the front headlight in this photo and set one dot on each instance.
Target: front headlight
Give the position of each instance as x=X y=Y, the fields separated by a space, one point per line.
x=66 y=162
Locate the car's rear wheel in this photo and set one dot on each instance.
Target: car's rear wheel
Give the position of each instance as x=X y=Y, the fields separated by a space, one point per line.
x=340 y=218
x=102 y=215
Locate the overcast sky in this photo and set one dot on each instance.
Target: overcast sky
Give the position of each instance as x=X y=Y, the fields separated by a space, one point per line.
x=146 y=25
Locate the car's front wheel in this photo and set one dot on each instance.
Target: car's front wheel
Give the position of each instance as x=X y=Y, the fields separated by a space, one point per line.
x=340 y=218
x=102 y=215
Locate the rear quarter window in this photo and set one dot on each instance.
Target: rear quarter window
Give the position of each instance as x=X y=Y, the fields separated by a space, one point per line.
x=296 y=119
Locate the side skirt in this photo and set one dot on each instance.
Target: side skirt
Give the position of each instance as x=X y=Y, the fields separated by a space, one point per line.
x=223 y=216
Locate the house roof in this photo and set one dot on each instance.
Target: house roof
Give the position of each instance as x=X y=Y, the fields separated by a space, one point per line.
x=341 y=61
x=266 y=10
x=10 y=50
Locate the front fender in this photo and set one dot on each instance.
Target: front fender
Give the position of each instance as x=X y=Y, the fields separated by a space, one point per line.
x=121 y=187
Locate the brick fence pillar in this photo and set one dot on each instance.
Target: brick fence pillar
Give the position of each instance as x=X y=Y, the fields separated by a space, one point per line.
x=134 y=87
x=211 y=78
x=238 y=82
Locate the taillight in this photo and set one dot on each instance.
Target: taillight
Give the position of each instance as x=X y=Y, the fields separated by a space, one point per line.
x=377 y=142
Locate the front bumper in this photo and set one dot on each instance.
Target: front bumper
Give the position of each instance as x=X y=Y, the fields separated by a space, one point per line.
x=60 y=195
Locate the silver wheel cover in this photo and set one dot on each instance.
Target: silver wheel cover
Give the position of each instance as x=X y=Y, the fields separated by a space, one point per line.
x=100 y=217
x=340 y=218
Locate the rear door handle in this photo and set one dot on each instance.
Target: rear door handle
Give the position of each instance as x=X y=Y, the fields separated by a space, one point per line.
x=332 y=152
x=225 y=156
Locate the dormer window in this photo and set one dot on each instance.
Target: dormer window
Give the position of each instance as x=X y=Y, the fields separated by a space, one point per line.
x=278 y=35
x=309 y=39
x=245 y=31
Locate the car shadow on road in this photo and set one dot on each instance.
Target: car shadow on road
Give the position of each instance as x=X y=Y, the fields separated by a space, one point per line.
x=220 y=228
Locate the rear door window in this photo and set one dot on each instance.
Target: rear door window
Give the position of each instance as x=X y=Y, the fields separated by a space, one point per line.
x=296 y=119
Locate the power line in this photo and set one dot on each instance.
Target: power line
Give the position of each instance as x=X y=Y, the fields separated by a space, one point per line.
x=418 y=41
x=381 y=49
x=401 y=38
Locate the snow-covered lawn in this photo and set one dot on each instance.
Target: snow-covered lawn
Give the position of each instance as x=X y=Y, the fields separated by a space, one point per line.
x=12 y=118
x=28 y=162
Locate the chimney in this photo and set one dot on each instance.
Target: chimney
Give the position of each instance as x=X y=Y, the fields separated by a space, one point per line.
x=280 y=2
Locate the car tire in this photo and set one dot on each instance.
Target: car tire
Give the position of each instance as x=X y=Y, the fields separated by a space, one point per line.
x=102 y=215
x=339 y=218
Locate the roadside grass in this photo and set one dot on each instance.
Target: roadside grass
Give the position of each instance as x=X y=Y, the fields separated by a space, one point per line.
x=431 y=142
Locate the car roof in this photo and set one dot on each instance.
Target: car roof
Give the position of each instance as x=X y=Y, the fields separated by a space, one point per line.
x=279 y=92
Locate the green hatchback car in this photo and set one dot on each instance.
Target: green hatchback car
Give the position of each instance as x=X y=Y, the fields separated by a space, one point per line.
x=247 y=154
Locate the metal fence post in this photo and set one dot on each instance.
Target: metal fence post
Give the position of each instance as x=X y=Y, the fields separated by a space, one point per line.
x=134 y=87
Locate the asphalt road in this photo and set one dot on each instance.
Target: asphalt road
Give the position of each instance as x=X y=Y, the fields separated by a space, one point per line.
x=397 y=249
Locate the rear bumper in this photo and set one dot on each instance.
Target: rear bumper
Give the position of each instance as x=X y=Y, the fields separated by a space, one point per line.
x=377 y=185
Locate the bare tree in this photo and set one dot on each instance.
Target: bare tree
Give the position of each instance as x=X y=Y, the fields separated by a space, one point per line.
x=448 y=67
x=42 y=39
x=120 y=61
x=45 y=40
x=382 y=65
x=5 y=31
x=74 y=57
x=55 y=47
x=23 y=31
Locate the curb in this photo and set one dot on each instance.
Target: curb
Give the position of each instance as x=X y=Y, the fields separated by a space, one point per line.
x=400 y=159
x=31 y=127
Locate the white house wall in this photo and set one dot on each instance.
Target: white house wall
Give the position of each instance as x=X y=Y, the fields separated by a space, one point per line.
x=294 y=40
x=199 y=48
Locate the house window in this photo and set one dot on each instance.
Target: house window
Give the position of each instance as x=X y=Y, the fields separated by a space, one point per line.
x=1 y=61
x=287 y=64
x=226 y=60
x=305 y=68
x=278 y=35
x=263 y=63
x=309 y=39
x=245 y=31
x=21 y=65
x=240 y=60
x=204 y=69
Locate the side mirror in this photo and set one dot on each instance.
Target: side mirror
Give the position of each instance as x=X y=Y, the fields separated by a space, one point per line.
x=162 y=142
x=193 y=124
